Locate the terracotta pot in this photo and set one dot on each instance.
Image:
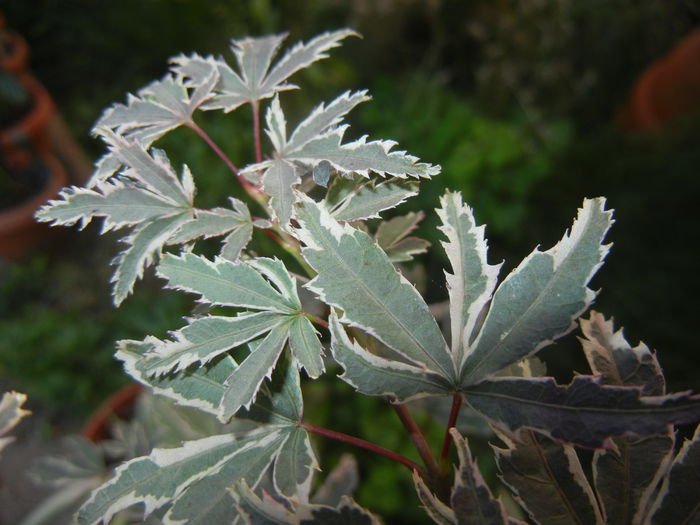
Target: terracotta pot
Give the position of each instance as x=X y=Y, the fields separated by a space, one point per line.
x=19 y=230
x=668 y=88
x=14 y=52
x=118 y=405
x=28 y=137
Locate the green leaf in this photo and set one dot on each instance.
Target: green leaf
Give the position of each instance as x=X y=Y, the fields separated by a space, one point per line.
x=279 y=401
x=160 y=107
x=212 y=223
x=201 y=388
x=119 y=203
x=472 y=500
x=584 y=412
x=295 y=466
x=369 y=200
x=224 y=283
x=144 y=245
x=11 y=412
x=244 y=382
x=627 y=475
x=376 y=376
x=391 y=236
x=278 y=182
x=539 y=301
x=473 y=279
x=355 y=275
x=548 y=480
x=156 y=479
x=208 y=500
x=680 y=493
x=305 y=346
x=206 y=338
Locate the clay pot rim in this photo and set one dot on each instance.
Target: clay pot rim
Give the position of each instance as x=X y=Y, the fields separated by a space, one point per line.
x=34 y=122
x=16 y=61
x=118 y=404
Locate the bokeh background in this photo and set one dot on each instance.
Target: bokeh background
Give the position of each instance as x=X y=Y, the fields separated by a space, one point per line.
x=529 y=106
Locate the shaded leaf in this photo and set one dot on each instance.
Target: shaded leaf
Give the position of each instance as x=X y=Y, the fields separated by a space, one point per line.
x=215 y=222
x=548 y=480
x=584 y=412
x=436 y=509
x=539 y=301
x=342 y=481
x=368 y=200
x=376 y=376
x=371 y=293
x=295 y=466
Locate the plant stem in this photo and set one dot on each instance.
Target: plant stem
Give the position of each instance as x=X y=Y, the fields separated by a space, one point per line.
x=451 y=423
x=339 y=436
x=256 y=130
x=199 y=131
x=418 y=439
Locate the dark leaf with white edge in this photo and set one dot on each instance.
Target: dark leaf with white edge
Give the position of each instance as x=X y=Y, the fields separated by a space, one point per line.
x=472 y=500
x=548 y=480
x=393 y=230
x=540 y=300
x=376 y=376
x=436 y=509
x=295 y=466
x=160 y=107
x=257 y=78
x=215 y=222
x=473 y=279
x=278 y=182
x=145 y=244
x=156 y=479
x=627 y=475
x=224 y=283
x=206 y=338
x=244 y=382
x=355 y=275
x=306 y=347
x=584 y=413
x=208 y=500
x=370 y=199
x=201 y=388
x=678 y=498
x=120 y=204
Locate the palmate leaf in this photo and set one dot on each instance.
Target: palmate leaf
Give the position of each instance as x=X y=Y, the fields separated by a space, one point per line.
x=350 y=200
x=376 y=376
x=256 y=78
x=548 y=480
x=626 y=476
x=267 y=510
x=473 y=280
x=158 y=108
x=318 y=139
x=539 y=301
x=584 y=413
x=355 y=275
x=678 y=498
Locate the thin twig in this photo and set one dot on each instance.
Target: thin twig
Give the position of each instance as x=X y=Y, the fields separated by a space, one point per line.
x=256 y=130
x=339 y=436
x=418 y=439
x=451 y=423
x=214 y=146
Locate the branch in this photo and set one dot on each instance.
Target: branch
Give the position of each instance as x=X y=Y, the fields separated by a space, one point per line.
x=452 y=422
x=418 y=439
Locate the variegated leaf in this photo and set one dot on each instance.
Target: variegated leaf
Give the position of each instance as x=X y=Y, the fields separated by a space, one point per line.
x=548 y=480
x=627 y=475
x=392 y=237
x=156 y=479
x=279 y=401
x=257 y=78
x=473 y=279
x=143 y=246
x=295 y=466
x=244 y=382
x=678 y=498
x=584 y=412
x=206 y=338
x=224 y=283
x=376 y=376
x=11 y=412
x=158 y=108
x=306 y=347
x=120 y=204
x=436 y=509
x=278 y=182
x=540 y=300
x=369 y=200
x=371 y=293
x=472 y=500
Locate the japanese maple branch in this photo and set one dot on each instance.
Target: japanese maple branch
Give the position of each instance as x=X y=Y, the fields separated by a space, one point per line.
x=339 y=436
x=418 y=439
x=256 y=130
x=451 y=423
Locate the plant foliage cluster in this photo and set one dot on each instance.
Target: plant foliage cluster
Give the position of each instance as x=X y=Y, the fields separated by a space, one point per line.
x=260 y=325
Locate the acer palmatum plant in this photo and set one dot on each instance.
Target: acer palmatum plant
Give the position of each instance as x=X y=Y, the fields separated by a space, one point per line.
x=244 y=358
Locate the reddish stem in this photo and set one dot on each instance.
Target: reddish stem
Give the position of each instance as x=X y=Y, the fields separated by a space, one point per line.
x=454 y=412
x=194 y=127
x=256 y=130
x=317 y=320
x=339 y=436
x=418 y=439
